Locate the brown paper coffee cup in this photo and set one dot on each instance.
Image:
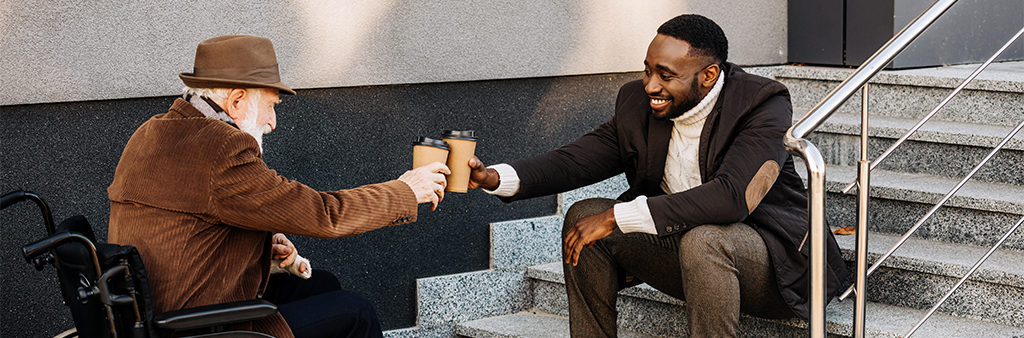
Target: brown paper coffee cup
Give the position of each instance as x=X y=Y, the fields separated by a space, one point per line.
x=463 y=146
x=427 y=150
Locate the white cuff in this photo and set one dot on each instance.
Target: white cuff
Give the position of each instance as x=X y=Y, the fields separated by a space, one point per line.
x=635 y=216
x=508 y=185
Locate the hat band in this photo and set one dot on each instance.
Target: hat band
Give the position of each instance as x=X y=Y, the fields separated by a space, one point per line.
x=267 y=74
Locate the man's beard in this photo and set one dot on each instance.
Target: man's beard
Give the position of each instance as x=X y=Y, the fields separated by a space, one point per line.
x=691 y=101
x=251 y=125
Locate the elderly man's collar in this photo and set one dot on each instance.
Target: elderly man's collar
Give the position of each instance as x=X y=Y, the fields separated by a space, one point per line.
x=209 y=108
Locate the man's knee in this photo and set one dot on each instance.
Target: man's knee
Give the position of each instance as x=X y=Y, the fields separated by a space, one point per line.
x=337 y=313
x=701 y=242
x=584 y=208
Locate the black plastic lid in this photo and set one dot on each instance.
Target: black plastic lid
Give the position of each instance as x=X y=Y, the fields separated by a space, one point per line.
x=460 y=134
x=426 y=141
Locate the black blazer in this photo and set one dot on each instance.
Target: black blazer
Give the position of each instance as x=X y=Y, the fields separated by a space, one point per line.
x=741 y=154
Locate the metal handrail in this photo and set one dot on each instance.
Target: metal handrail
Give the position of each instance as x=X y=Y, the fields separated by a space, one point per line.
x=942 y=104
x=863 y=177
x=797 y=145
x=964 y=278
x=958 y=185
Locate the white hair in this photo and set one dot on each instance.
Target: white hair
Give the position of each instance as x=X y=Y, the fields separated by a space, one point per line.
x=215 y=94
x=220 y=94
x=248 y=125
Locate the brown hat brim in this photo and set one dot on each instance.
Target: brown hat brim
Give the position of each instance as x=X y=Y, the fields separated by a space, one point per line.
x=205 y=82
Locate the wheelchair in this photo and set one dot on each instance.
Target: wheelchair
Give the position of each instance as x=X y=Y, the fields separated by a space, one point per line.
x=106 y=288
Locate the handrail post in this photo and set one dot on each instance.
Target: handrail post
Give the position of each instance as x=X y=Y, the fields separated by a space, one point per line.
x=797 y=145
x=863 y=177
x=816 y=228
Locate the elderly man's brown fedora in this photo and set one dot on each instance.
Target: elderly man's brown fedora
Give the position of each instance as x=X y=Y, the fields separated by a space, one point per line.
x=235 y=61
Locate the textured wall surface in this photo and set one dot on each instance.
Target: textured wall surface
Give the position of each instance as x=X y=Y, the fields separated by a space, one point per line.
x=79 y=77
x=756 y=30
x=67 y=50
x=326 y=138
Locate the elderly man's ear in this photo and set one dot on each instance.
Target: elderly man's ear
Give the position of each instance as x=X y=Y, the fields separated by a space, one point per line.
x=236 y=105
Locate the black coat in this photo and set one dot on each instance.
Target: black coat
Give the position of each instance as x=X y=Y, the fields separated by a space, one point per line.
x=742 y=136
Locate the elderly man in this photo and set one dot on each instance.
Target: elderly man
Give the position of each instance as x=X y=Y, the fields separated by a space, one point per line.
x=715 y=213
x=193 y=194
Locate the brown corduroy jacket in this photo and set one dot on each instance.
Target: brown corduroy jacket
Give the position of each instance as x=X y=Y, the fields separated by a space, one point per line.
x=195 y=197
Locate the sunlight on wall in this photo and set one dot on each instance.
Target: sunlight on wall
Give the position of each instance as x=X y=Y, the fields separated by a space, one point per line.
x=334 y=33
x=617 y=33
x=613 y=38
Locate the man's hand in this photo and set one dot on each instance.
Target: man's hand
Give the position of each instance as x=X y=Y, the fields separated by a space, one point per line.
x=482 y=177
x=587 y=231
x=427 y=182
x=283 y=249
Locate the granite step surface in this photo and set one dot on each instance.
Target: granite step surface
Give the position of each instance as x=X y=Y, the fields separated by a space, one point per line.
x=921 y=271
x=942 y=148
x=882 y=320
x=995 y=97
x=978 y=214
x=527 y=324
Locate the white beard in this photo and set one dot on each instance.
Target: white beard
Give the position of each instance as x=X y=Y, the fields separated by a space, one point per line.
x=249 y=125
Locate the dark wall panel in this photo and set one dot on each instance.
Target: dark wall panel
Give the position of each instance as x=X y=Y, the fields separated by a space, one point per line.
x=326 y=138
x=815 y=31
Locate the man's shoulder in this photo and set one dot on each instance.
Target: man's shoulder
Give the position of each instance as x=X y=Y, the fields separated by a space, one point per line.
x=738 y=80
x=183 y=118
x=637 y=84
x=631 y=96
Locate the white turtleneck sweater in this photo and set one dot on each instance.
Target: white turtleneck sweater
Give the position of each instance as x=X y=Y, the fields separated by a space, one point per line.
x=681 y=168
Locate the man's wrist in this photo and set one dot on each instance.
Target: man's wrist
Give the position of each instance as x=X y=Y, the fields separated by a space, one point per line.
x=634 y=216
x=493 y=179
x=508 y=180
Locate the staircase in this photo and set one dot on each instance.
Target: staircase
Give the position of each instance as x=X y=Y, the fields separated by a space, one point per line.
x=523 y=294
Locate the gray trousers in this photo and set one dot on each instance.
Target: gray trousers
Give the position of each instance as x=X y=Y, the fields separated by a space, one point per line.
x=718 y=270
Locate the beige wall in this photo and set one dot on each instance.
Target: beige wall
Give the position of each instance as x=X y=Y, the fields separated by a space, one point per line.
x=64 y=50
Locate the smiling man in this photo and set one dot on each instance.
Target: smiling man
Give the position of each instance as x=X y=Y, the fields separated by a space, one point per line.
x=715 y=213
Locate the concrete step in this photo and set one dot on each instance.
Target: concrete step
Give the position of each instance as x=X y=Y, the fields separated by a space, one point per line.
x=942 y=148
x=646 y=310
x=527 y=324
x=978 y=214
x=995 y=97
x=921 y=271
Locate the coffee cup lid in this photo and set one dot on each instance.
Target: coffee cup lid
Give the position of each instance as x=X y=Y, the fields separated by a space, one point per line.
x=460 y=134
x=426 y=141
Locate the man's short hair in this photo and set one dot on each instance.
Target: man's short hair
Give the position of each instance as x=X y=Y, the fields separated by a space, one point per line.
x=705 y=37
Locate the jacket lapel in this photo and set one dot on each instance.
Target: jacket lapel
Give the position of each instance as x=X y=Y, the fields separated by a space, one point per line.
x=703 y=162
x=705 y=141
x=658 y=135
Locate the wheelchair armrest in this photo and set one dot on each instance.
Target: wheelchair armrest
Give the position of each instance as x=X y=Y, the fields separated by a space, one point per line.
x=214 y=315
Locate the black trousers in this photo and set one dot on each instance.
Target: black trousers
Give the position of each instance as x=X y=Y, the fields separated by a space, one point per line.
x=318 y=307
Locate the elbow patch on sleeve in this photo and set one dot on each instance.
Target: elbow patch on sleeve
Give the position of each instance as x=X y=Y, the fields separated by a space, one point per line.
x=759 y=185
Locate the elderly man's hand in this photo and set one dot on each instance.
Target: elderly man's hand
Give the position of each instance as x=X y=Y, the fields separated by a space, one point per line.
x=283 y=249
x=427 y=182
